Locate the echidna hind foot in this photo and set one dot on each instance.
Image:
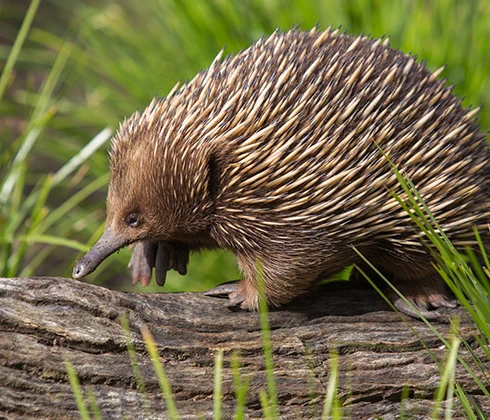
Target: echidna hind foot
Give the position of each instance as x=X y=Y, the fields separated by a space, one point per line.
x=422 y=298
x=424 y=306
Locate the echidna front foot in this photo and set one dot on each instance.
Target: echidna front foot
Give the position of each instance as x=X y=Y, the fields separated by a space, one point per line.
x=163 y=256
x=235 y=291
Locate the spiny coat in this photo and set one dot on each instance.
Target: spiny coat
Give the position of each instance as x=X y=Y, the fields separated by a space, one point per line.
x=274 y=153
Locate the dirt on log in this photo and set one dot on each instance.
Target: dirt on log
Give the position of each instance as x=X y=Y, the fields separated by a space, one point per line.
x=45 y=321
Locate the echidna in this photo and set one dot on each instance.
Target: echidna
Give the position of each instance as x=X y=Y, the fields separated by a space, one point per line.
x=274 y=153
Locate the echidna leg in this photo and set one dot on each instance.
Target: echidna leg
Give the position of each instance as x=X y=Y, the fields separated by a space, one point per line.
x=426 y=297
x=283 y=281
x=424 y=289
x=415 y=310
x=424 y=305
x=242 y=293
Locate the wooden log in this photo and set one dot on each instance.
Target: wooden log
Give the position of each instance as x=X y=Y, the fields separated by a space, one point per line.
x=44 y=321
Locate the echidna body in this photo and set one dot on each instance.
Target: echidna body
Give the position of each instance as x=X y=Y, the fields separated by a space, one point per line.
x=275 y=154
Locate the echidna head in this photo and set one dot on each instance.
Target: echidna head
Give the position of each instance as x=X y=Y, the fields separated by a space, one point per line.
x=159 y=190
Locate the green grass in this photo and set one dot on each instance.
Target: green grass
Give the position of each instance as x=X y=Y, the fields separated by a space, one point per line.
x=471 y=286
x=241 y=386
x=332 y=406
x=268 y=398
x=77 y=391
x=159 y=370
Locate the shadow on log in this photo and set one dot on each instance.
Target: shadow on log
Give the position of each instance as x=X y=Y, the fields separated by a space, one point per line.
x=44 y=321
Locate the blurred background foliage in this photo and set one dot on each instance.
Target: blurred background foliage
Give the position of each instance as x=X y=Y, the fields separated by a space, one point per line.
x=86 y=65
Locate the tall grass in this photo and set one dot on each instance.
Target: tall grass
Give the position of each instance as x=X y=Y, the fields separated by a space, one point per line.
x=470 y=284
x=25 y=219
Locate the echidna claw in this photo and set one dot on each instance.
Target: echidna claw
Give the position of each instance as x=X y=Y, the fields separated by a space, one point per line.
x=409 y=310
x=228 y=290
x=223 y=290
x=142 y=262
x=236 y=300
x=163 y=256
x=448 y=303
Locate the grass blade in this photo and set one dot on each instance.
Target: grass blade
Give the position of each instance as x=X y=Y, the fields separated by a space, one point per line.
x=41 y=115
x=138 y=376
x=76 y=161
x=218 y=392
x=77 y=390
x=160 y=372
x=55 y=240
x=241 y=388
x=92 y=399
x=19 y=41
x=330 y=406
x=446 y=387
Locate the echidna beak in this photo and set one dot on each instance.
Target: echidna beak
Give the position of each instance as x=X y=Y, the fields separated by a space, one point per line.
x=108 y=243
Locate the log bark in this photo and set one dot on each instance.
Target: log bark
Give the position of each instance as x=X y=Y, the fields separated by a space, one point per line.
x=44 y=321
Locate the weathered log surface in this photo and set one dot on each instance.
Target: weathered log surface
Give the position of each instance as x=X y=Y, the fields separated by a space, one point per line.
x=44 y=321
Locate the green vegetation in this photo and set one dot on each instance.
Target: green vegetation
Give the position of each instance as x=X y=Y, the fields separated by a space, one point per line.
x=163 y=382
x=469 y=282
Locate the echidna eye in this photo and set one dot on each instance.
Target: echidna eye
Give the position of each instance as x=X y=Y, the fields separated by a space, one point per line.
x=132 y=220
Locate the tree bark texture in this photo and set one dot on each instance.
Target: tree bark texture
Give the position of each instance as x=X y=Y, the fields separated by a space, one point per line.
x=382 y=357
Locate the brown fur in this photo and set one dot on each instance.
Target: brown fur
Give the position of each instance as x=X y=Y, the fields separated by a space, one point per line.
x=272 y=153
